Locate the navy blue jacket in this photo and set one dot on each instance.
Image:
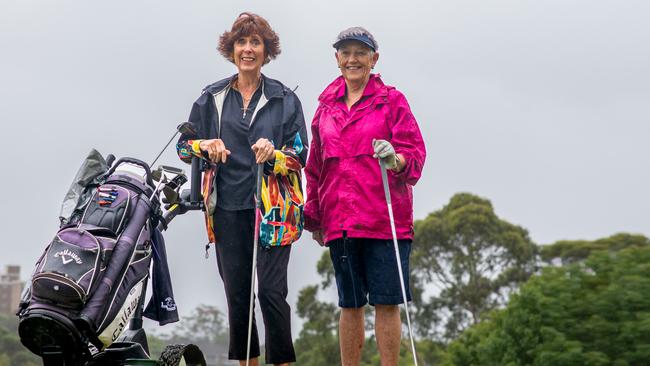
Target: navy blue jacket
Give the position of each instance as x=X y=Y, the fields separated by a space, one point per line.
x=279 y=120
x=278 y=117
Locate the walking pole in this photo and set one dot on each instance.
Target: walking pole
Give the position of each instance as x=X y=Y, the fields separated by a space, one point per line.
x=384 y=178
x=256 y=237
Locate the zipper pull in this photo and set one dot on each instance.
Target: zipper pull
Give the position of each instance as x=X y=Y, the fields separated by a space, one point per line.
x=207 y=254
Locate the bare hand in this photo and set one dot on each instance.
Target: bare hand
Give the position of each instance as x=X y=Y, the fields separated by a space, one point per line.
x=216 y=150
x=318 y=236
x=264 y=151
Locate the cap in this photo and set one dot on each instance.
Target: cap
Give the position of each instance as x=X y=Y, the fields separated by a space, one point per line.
x=356 y=34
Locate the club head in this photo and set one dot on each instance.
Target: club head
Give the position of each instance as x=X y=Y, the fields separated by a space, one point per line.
x=171 y=196
x=171 y=169
x=186 y=128
x=159 y=174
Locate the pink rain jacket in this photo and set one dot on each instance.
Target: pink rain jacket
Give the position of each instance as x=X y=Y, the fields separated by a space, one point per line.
x=344 y=186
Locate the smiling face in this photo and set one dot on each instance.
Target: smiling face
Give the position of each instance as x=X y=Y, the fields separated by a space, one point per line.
x=356 y=61
x=249 y=53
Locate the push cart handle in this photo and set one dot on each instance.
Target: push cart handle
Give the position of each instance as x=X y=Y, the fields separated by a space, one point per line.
x=195 y=180
x=133 y=161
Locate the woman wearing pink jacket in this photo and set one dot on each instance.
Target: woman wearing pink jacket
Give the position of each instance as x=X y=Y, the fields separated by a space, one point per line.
x=360 y=119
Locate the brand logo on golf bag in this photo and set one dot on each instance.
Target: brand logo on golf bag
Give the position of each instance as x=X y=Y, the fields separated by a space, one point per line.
x=168 y=304
x=68 y=256
x=121 y=320
x=129 y=307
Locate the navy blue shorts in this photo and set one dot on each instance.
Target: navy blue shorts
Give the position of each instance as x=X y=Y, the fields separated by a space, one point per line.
x=366 y=271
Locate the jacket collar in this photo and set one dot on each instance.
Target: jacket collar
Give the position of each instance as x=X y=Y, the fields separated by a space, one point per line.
x=336 y=89
x=270 y=87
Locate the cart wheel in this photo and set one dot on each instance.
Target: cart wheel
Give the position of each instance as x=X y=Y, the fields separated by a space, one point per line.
x=182 y=354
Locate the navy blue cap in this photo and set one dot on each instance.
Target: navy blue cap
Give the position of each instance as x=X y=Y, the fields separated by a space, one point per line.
x=363 y=38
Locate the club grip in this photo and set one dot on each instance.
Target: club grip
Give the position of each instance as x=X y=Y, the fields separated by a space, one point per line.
x=260 y=174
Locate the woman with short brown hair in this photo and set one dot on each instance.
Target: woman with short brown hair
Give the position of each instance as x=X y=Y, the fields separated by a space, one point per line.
x=242 y=121
x=247 y=24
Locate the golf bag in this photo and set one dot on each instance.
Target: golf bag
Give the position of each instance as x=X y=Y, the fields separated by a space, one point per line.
x=92 y=276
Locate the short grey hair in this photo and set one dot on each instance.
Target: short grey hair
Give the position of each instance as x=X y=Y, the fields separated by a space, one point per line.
x=356 y=31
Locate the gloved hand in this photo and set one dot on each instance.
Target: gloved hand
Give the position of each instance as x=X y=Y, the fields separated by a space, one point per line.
x=385 y=151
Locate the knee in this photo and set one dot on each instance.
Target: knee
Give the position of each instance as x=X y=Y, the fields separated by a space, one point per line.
x=271 y=296
x=238 y=296
x=353 y=313
x=386 y=309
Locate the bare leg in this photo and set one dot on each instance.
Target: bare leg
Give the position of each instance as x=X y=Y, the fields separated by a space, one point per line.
x=253 y=362
x=388 y=330
x=351 y=335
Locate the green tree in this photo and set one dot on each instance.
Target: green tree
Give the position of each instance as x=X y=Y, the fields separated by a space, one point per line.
x=204 y=324
x=204 y=327
x=157 y=343
x=475 y=258
x=12 y=352
x=317 y=343
x=596 y=312
x=571 y=251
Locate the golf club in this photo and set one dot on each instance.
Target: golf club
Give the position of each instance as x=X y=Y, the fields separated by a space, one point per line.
x=185 y=128
x=256 y=237
x=384 y=178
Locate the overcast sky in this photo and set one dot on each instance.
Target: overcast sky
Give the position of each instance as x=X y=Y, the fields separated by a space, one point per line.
x=541 y=106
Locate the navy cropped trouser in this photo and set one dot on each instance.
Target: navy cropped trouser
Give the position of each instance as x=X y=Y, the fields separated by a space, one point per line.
x=234 y=246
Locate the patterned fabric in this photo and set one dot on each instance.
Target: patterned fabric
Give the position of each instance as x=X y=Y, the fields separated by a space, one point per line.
x=282 y=198
x=186 y=149
x=206 y=189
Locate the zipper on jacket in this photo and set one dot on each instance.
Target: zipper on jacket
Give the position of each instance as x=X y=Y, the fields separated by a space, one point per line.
x=372 y=102
x=351 y=114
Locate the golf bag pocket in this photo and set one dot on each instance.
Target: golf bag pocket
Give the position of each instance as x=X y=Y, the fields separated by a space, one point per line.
x=108 y=208
x=71 y=267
